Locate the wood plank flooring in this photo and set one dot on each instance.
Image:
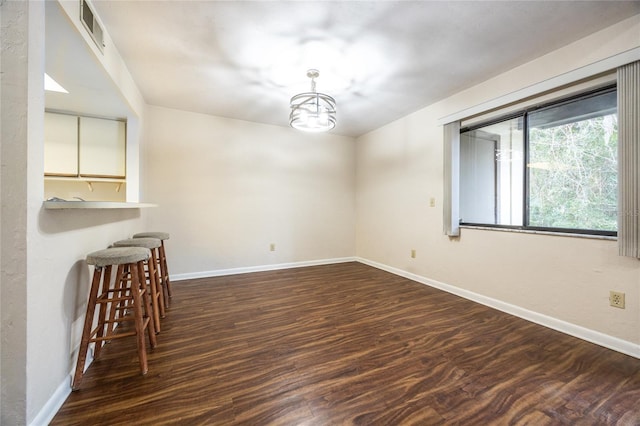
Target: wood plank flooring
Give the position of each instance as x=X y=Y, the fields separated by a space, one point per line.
x=349 y=344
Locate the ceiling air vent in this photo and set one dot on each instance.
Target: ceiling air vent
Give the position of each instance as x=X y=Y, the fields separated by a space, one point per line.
x=90 y=22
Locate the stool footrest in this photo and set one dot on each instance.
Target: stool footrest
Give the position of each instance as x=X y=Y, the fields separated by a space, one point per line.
x=145 y=321
x=113 y=336
x=104 y=299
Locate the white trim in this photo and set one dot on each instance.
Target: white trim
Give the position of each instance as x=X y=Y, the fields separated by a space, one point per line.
x=259 y=268
x=50 y=409
x=569 y=77
x=610 y=342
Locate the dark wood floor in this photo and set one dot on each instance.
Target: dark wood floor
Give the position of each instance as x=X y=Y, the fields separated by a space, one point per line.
x=349 y=344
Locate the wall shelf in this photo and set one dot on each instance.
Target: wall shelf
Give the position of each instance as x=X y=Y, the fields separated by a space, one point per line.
x=59 y=205
x=84 y=179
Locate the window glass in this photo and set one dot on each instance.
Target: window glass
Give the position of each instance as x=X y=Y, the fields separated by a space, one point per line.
x=573 y=165
x=569 y=183
x=491 y=174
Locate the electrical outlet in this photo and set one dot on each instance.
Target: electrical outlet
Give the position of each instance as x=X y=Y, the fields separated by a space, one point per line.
x=272 y=247
x=413 y=254
x=616 y=299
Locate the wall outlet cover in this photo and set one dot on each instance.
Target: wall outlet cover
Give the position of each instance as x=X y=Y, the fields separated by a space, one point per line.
x=616 y=299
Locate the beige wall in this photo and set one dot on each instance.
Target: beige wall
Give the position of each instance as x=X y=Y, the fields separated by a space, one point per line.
x=14 y=18
x=44 y=279
x=399 y=169
x=227 y=189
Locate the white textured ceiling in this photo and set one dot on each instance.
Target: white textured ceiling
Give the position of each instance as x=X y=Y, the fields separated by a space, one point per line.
x=380 y=60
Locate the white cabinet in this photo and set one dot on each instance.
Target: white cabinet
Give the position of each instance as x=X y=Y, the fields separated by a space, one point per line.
x=60 y=145
x=84 y=147
x=102 y=148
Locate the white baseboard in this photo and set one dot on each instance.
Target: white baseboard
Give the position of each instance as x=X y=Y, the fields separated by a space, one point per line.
x=259 y=268
x=50 y=409
x=610 y=342
x=52 y=406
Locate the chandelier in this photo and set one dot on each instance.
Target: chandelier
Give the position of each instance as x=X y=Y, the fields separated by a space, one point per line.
x=313 y=111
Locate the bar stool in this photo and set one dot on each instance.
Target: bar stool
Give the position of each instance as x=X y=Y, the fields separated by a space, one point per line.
x=126 y=301
x=162 y=261
x=152 y=274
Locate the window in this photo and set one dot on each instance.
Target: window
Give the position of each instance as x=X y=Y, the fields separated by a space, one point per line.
x=550 y=168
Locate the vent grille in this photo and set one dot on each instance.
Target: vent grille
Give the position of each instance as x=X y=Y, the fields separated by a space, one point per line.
x=92 y=25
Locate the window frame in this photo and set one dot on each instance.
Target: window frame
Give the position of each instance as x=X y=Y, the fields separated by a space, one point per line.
x=524 y=113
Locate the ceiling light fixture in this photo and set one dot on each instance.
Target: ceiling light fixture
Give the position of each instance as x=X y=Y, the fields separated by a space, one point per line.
x=313 y=111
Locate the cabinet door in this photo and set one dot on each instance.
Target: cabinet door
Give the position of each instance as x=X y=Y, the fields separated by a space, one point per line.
x=60 y=144
x=102 y=147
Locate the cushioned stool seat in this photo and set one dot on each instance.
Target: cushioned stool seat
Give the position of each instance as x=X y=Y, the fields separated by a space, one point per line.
x=120 y=256
x=127 y=300
x=159 y=235
x=162 y=260
x=153 y=275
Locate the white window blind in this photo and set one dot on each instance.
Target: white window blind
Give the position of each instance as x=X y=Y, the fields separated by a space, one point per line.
x=451 y=219
x=629 y=159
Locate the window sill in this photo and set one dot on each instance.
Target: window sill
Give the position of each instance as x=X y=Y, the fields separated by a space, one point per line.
x=530 y=231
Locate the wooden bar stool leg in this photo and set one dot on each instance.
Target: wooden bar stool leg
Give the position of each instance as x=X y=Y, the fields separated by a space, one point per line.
x=103 y=293
x=155 y=273
x=144 y=294
x=120 y=291
x=86 y=331
x=165 y=270
x=139 y=321
x=153 y=288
